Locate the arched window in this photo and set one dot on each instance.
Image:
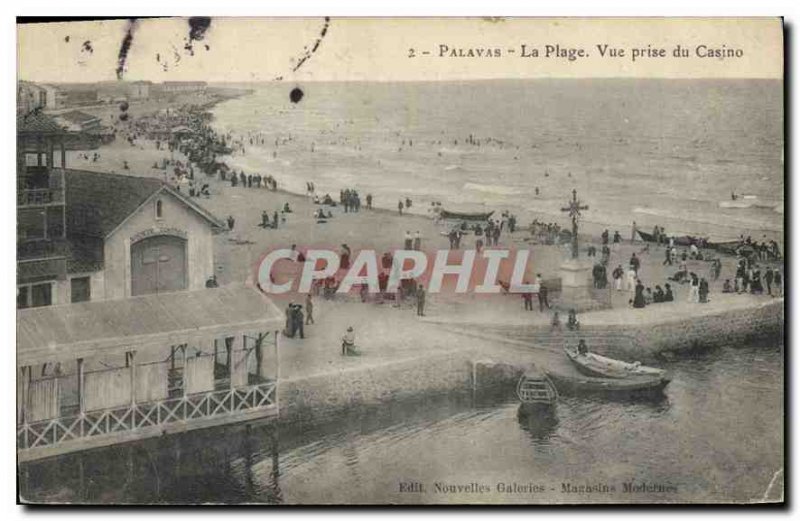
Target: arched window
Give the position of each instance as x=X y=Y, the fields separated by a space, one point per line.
x=159 y=209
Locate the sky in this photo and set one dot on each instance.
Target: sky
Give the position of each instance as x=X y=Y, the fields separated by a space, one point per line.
x=392 y=49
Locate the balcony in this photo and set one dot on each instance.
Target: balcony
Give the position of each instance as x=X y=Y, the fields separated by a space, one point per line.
x=40 y=187
x=41 y=249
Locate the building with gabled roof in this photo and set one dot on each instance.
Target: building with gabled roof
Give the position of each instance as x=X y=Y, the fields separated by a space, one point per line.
x=144 y=236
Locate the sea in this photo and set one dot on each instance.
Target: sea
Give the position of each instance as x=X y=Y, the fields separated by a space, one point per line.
x=664 y=152
x=716 y=436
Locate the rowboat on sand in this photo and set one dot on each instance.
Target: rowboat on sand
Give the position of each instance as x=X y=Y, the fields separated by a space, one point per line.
x=683 y=240
x=465 y=216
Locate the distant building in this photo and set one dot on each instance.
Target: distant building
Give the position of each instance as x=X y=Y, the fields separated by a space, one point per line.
x=139 y=90
x=175 y=87
x=89 y=130
x=112 y=92
x=77 y=121
x=54 y=98
x=31 y=96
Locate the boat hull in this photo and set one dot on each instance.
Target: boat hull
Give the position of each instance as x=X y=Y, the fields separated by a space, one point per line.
x=444 y=214
x=641 y=386
x=603 y=367
x=535 y=390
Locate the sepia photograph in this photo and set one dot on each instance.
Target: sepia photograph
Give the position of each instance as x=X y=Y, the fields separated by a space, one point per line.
x=400 y=261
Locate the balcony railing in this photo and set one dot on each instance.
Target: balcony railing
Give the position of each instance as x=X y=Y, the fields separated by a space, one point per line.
x=41 y=249
x=40 y=186
x=40 y=197
x=122 y=420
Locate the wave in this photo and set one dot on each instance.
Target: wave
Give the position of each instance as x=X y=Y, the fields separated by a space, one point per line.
x=491 y=189
x=710 y=219
x=735 y=204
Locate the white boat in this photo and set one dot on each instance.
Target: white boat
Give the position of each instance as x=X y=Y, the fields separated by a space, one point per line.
x=592 y=364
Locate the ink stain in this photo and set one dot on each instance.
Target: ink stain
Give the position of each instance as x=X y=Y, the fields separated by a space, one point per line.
x=307 y=54
x=296 y=95
x=66 y=38
x=198 y=26
x=87 y=47
x=125 y=47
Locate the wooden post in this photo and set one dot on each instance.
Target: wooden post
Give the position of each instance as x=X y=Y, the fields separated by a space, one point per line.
x=50 y=154
x=259 y=354
x=230 y=348
x=63 y=154
x=130 y=360
x=277 y=368
x=25 y=390
x=184 y=348
x=81 y=394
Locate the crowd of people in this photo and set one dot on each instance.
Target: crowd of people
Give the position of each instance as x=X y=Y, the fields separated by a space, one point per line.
x=548 y=233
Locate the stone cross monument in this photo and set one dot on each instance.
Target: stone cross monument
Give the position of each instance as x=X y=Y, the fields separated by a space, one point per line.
x=574 y=210
x=575 y=272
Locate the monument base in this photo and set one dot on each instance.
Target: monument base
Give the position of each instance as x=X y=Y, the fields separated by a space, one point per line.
x=576 y=287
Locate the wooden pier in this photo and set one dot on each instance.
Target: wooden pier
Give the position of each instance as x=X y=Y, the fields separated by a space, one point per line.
x=101 y=373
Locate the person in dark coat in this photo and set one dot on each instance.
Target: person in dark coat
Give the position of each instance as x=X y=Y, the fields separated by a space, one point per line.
x=543 y=298
x=703 y=290
x=768 y=276
x=638 y=299
x=298 y=319
x=668 y=297
x=527 y=298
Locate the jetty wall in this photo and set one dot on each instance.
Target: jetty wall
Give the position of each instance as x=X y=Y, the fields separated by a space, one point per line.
x=306 y=398
x=315 y=397
x=723 y=328
x=648 y=339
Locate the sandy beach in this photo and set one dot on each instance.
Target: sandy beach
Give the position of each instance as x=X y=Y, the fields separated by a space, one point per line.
x=238 y=251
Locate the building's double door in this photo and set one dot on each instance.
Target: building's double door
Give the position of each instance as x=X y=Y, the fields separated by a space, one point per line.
x=158 y=264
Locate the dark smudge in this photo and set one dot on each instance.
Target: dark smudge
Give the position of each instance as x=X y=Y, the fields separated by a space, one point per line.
x=198 y=26
x=314 y=48
x=125 y=47
x=296 y=95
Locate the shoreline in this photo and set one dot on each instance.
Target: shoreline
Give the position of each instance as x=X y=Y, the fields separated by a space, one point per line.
x=593 y=227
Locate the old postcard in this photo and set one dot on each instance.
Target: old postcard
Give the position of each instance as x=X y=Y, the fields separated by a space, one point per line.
x=400 y=261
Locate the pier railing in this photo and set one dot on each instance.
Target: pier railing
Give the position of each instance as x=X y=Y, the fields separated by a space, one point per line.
x=129 y=419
